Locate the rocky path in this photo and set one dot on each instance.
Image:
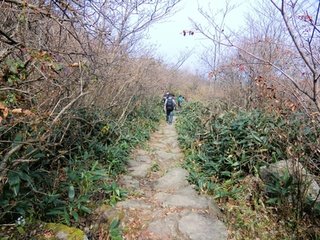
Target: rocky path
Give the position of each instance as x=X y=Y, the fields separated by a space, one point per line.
x=161 y=203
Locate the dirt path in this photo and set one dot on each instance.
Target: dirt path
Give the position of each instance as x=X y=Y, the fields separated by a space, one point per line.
x=161 y=203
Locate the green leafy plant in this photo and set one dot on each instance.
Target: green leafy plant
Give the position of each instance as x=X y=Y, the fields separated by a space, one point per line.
x=115 y=232
x=228 y=146
x=281 y=189
x=155 y=167
x=62 y=177
x=114 y=193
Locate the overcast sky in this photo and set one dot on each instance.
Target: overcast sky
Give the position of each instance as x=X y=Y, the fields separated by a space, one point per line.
x=169 y=40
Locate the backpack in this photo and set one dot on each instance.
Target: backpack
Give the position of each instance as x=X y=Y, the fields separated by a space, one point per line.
x=170 y=104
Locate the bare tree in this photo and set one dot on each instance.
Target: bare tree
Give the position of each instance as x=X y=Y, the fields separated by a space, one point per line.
x=214 y=31
x=56 y=56
x=301 y=19
x=284 y=49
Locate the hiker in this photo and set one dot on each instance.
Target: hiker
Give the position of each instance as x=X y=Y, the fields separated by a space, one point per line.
x=165 y=96
x=180 y=101
x=169 y=106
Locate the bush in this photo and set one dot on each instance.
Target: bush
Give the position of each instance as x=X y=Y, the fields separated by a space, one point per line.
x=56 y=172
x=240 y=142
x=230 y=146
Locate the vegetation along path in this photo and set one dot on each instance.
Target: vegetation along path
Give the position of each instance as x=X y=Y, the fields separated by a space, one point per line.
x=161 y=203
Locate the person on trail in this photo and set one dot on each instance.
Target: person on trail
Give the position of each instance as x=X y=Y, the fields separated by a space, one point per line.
x=180 y=101
x=169 y=106
x=165 y=96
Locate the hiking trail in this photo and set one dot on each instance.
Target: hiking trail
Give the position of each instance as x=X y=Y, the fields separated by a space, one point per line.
x=161 y=204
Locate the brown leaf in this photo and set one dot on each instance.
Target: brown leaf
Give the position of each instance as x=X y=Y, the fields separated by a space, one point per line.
x=5 y=112
x=28 y=112
x=74 y=65
x=2 y=106
x=17 y=110
x=22 y=111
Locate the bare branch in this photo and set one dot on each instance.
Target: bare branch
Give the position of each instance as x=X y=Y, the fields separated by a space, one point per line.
x=68 y=106
x=4 y=164
x=9 y=41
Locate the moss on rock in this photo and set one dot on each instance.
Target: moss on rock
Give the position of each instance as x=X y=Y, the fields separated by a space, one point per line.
x=57 y=231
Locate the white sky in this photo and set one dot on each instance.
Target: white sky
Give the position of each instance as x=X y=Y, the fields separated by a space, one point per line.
x=169 y=41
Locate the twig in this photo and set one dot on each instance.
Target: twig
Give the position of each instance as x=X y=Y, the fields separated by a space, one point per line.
x=6 y=52
x=4 y=163
x=14 y=89
x=10 y=40
x=125 y=109
x=65 y=131
x=68 y=106
x=16 y=162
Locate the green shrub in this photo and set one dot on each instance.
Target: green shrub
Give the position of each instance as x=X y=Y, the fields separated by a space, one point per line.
x=235 y=144
x=240 y=142
x=56 y=173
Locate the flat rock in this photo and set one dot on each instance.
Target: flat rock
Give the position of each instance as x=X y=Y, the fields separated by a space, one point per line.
x=178 y=200
x=134 y=204
x=143 y=158
x=158 y=145
x=129 y=182
x=133 y=163
x=198 y=227
x=188 y=191
x=166 y=156
x=175 y=179
x=165 y=228
x=141 y=152
x=140 y=171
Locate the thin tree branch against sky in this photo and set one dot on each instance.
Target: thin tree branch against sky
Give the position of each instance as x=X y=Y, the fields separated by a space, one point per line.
x=172 y=42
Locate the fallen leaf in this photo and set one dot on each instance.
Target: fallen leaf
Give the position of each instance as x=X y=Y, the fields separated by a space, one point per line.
x=28 y=112
x=74 y=65
x=22 y=111
x=2 y=106
x=17 y=110
x=5 y=112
